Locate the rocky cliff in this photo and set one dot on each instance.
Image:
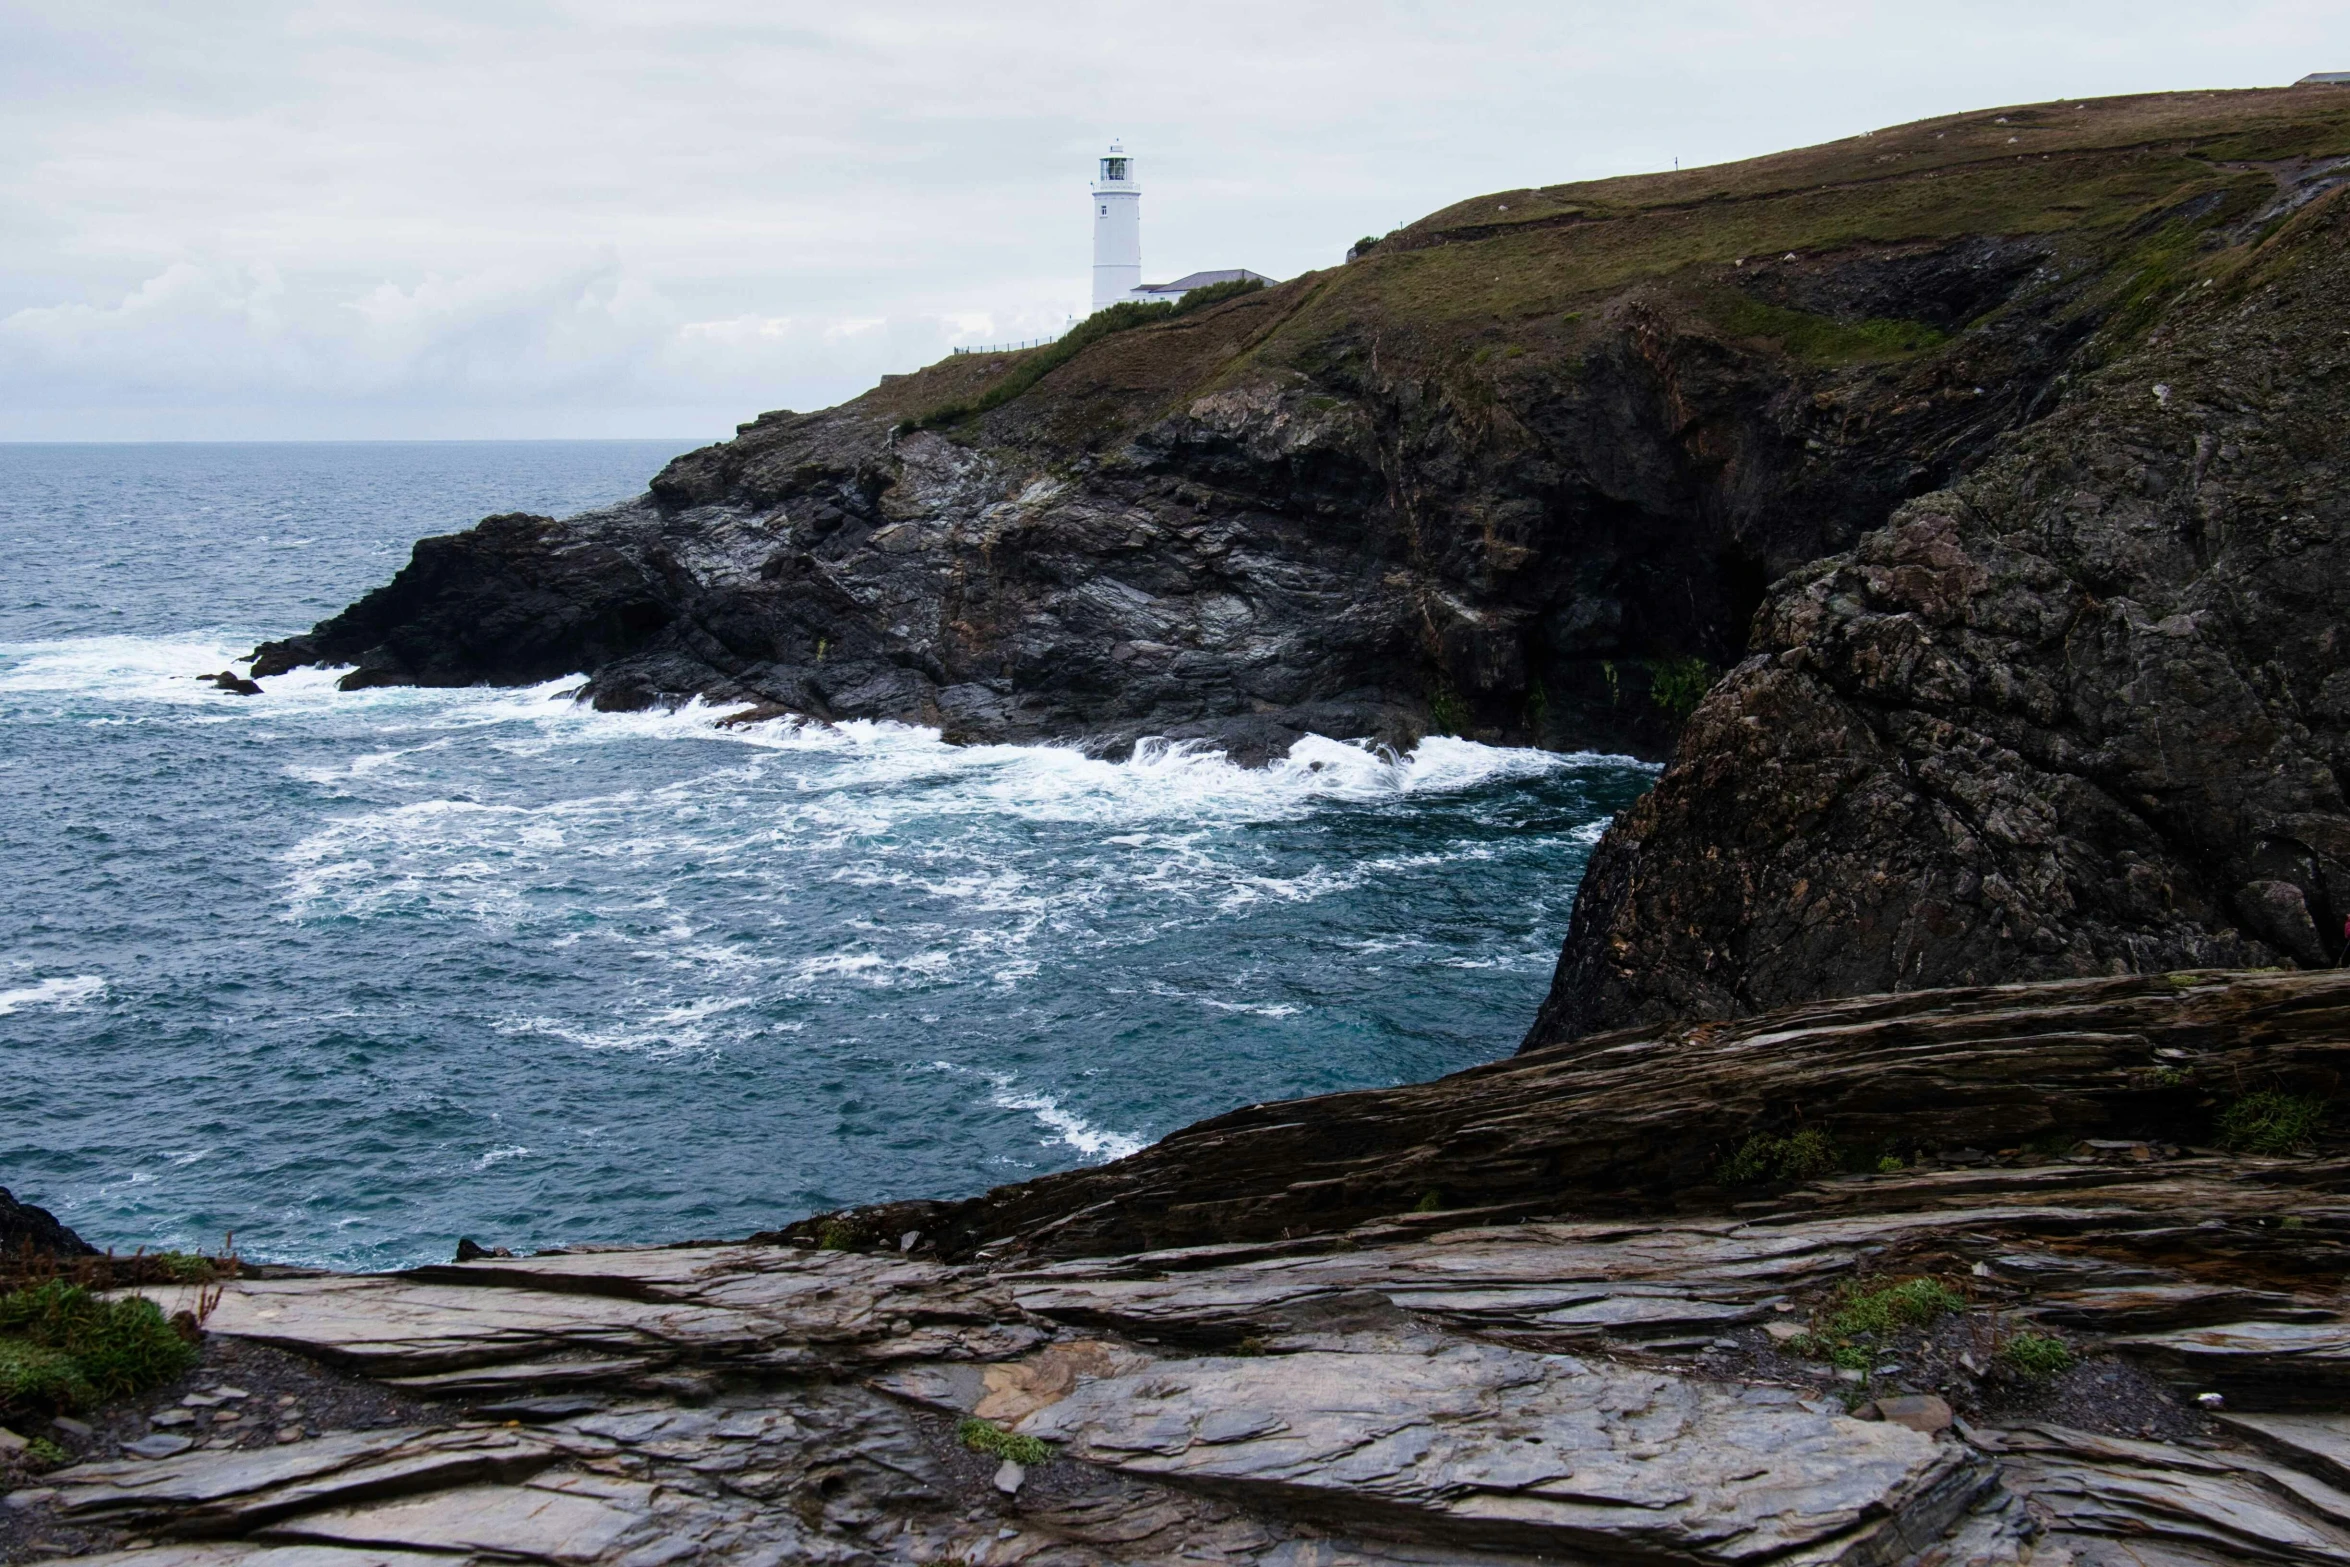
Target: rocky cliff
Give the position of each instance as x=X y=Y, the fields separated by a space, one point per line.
x=2083 y=712
x=1523 y=471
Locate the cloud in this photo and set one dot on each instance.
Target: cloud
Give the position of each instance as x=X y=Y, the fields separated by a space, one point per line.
x=361 y=217
x=584 y=338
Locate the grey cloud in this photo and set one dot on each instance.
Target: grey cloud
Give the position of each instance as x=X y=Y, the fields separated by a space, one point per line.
x=269 y=219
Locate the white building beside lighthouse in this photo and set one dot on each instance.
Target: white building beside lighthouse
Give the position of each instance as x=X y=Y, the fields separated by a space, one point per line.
x=1117 y=241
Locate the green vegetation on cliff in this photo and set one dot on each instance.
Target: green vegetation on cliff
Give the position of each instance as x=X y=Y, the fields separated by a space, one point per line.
x=2134 y=186
x=62 y=1347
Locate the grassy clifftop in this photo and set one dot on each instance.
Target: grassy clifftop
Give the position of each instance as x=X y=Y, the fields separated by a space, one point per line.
x=2129 y=186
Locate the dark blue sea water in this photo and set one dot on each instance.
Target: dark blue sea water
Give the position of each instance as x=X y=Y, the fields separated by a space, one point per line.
x=352 y=975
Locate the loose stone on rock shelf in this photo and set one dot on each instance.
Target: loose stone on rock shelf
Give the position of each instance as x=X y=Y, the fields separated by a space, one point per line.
x=171 y=1417
x=72 y=1427
x=10 y=1442
x=1918 y=1411
x=1009 y=1478
x=1781 y=1332
x=160 y=1445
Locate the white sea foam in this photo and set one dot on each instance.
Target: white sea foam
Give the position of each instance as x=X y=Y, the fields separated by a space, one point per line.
x=62 y=993
x=920 y=772
x=1269 y=1009
x=683 y=1029
x=959 y=843
x=141 y=669
x=1069 y=1129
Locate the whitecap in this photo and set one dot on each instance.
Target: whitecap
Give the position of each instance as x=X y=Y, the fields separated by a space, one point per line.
x=62 y=993
x=1069 y=1129
x=668 y=1032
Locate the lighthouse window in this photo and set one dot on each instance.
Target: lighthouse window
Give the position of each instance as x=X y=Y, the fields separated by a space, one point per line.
x=1105 y=212
x=1113 y=168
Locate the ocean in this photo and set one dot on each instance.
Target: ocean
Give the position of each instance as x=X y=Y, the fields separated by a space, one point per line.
x=352 y=975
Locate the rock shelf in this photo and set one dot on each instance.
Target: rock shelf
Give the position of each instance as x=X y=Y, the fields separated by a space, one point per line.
x=1487 y=1384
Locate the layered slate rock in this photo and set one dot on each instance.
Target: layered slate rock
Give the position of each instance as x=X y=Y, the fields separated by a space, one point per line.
x=1522 y=1382
x=1471 y=1442
x=1522 y=472
x=599 y=1316
x=2082 y=713
x=1641 y=1120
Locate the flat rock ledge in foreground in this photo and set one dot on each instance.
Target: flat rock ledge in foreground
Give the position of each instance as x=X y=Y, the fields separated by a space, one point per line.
x=1460 y=1385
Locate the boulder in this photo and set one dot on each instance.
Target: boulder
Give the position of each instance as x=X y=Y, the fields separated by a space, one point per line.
x=24 y=1227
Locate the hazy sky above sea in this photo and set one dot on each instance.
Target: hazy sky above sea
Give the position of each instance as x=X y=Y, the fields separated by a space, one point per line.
x=246 y=219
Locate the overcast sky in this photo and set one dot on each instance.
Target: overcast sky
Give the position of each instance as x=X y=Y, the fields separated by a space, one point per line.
x=243 y=219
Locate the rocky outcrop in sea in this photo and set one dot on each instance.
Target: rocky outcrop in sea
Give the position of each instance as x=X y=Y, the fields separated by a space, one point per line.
x=27 y=1229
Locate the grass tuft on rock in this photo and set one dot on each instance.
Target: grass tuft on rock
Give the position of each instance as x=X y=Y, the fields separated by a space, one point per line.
x=1853 y=1332
x=2037 y=1356
x=985 y=1436
x=1910 y=1303
x=1806 y=1156
x=2272 y=1123
x=36 y=1378
x=62 y=1347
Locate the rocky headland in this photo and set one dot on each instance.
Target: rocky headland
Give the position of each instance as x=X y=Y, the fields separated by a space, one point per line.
x=1959 y=507
x=1524 y=471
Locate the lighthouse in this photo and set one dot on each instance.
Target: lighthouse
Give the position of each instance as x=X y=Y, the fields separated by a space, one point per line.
x=1117 y=229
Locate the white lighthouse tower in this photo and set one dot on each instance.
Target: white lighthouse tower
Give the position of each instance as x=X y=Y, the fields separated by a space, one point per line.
x=1117 y=230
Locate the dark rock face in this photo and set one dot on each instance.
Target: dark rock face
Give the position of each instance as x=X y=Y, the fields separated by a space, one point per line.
x=516 y=600
x=2086 y=712
x=1494 y=478
x=24 y=1227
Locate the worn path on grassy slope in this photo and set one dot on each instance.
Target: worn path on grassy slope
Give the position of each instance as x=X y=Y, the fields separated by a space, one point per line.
x=2084 y=712
x=1454 y=1385
x=1489 y=477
